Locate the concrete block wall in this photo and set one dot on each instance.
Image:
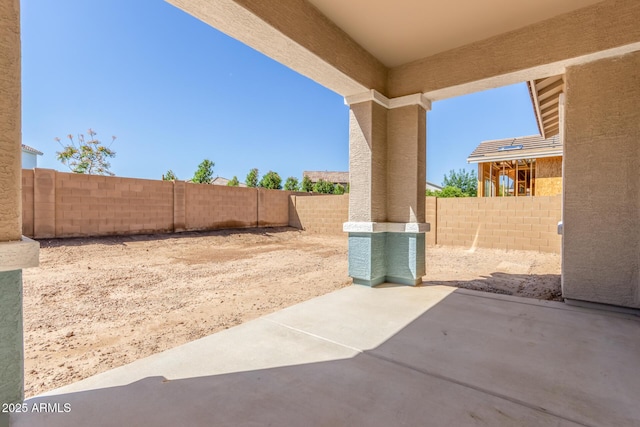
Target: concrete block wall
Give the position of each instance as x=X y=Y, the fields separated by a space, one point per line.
x=525 y=223
x=430 y=210
x=91 y=205
x=44 y=203
x=273 y=208
x=319 y=214
x=522 y=223
x=27 y=202
x=210 y=207
x=57 y=204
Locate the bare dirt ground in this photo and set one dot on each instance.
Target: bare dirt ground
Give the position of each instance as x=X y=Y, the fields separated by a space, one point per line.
x=98 y=303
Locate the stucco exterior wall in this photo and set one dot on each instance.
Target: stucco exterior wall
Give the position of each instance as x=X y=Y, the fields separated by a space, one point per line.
x=548 y=178
x=11 y=342
x=497 y=61
x=406 y=164
x=10 y=121
x=601 y=247
x=29 y=160
x=296 y=34
x=368 y=162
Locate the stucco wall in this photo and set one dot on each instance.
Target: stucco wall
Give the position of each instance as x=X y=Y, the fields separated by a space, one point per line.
x=368 y=162
x=406 y=164
x=548 y=178
x=29 y=160
x=601 y=248
x=505 y=59
x=296 y=34
x=10 y=121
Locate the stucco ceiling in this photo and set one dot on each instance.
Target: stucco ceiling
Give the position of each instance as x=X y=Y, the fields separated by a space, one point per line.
x=401 y=31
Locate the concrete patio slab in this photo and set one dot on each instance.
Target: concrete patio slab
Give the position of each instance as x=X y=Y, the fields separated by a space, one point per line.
x=376 y=357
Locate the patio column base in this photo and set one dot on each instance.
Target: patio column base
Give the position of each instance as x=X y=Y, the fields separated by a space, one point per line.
x=11 y=350
x=14 y=257
x=381 y=256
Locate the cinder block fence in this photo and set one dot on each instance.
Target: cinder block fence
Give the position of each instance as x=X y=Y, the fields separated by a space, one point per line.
x=58 y=204
x=524 y=223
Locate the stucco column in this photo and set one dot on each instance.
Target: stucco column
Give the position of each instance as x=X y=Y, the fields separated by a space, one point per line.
x=15 y=253
x=387 y=168
x=601 y=208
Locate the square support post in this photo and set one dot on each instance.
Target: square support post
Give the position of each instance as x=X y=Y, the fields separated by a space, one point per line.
x=15 y=253
x=387 y=167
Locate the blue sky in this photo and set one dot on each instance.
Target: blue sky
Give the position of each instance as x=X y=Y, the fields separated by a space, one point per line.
x=176 y=91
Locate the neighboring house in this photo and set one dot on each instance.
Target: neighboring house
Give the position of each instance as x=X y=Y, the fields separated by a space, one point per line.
x=30 y=157
x=433 y=187
x=224 y=181
x=524 y=166
x=341 y=178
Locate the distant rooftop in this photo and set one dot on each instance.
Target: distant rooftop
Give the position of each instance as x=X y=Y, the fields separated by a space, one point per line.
x=524 y=147
x=224 y=181
x=343 y=178
x=335 y=177
x=31 y=150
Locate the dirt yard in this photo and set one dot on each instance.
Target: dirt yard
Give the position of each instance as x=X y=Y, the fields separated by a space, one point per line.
x=95 y=304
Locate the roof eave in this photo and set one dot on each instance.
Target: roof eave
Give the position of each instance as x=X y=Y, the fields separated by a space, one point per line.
x=496 y=158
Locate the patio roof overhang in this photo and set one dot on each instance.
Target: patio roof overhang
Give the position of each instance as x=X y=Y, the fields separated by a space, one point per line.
x=426 y=46
x=545 y=96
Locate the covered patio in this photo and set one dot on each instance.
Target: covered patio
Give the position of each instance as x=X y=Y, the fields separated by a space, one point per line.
x=393 y=355
x=401 y=355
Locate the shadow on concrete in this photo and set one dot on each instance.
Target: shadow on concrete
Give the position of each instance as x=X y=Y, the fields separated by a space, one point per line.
x=470 y=360
x=123 y=240
x=538 y=286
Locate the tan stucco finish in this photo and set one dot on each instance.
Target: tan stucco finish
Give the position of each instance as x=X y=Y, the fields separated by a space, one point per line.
x=387 y=163
x=406 y=164
x=367 y=162
x=296 y=34
x=606 y=25
x=601 y=240
x=300 y=36
x=401 y=32
x=10 y=122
